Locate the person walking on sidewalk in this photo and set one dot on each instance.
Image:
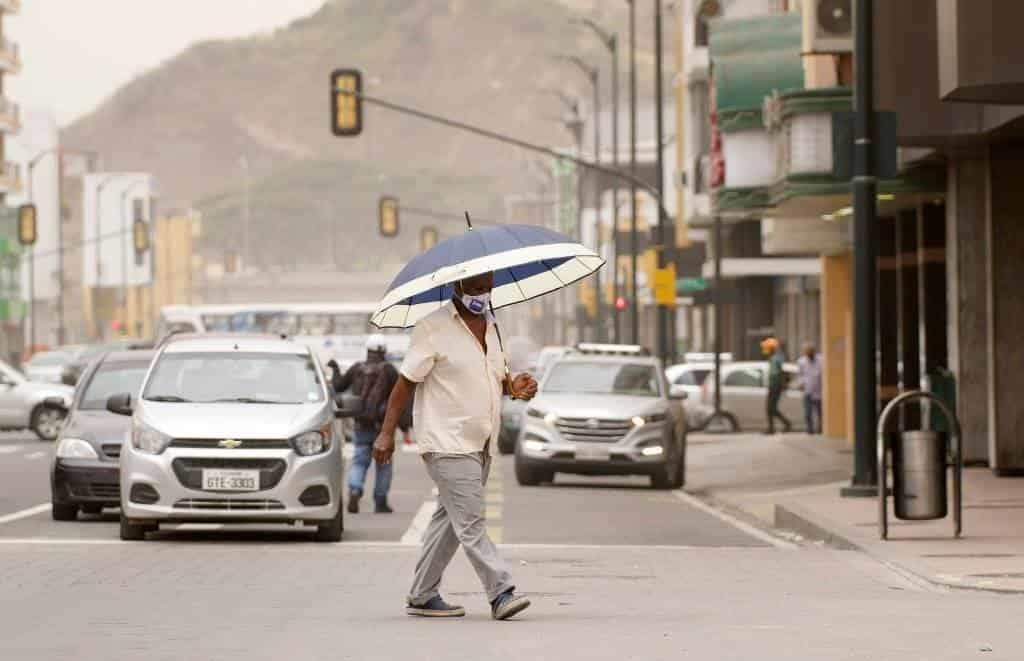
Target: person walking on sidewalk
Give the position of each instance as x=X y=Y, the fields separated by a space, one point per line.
x=372 y=380
x=809 y=365
x=776 y=383
x=456 y=364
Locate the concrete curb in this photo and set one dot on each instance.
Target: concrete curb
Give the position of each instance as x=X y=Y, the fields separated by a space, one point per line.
x=818 y=528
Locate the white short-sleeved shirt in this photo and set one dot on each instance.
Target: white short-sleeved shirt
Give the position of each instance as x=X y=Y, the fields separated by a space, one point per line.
x=458 y=400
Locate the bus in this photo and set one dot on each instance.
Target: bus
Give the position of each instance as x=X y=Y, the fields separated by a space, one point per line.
x=331 y=330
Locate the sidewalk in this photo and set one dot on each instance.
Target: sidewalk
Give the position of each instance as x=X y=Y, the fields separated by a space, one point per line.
x=792 y=482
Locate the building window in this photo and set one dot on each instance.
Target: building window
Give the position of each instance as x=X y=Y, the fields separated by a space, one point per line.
x=707 y=10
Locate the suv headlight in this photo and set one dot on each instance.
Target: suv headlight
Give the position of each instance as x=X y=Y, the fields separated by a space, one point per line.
x=149 y=440
x=76 y=448
x=313 y=442
x=641 y=420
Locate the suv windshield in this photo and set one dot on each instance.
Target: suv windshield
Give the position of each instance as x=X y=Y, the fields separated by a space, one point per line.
x=111 y=379
x=249 y=378
x=602 y=379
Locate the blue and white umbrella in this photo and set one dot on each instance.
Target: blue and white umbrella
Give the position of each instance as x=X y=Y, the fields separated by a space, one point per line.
x=527 y=261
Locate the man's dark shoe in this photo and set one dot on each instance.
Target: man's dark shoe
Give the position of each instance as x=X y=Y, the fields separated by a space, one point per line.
x=508 y=604
x=382 y=507
x=353 y=502
x=436 y=607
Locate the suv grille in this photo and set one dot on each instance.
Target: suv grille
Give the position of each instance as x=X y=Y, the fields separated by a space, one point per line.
x=228 y=504
x=247 y=443
x=190 y=469
x=593 y=430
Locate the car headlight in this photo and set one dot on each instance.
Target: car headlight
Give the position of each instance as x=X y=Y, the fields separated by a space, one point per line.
x=549 y=418
x=312 y=442
x=641 y=420
x=149 y=440
x=76 y=448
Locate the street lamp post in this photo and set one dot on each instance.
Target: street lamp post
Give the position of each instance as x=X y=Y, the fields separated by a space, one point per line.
x=663 y=246
x=633 y=245
x=98 y=239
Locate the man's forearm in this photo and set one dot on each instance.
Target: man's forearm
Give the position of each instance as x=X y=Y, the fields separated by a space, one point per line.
x=397 y=402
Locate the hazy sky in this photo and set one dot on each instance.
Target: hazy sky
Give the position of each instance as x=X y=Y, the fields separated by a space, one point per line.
x=76 y=52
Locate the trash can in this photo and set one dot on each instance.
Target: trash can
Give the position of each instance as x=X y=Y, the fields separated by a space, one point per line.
x=919 y=475
x=942 y=384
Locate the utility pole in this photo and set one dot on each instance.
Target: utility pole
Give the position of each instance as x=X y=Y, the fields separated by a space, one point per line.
x=244 y=162
x=662 y=249
x=865 y=249
x=634 y=247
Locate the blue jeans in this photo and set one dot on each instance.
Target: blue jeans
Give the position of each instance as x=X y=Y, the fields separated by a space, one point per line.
x=812 y=414
x=361 y=460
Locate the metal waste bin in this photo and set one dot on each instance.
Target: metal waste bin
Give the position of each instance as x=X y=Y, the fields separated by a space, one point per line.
x=919 y=475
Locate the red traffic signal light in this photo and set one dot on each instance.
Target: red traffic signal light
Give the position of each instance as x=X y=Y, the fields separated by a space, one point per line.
x=620 y=303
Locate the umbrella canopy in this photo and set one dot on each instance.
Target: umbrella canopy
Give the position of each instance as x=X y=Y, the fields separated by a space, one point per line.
x=527 y=261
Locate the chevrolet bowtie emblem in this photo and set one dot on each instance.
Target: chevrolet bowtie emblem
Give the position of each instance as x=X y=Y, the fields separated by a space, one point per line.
x=230 y=443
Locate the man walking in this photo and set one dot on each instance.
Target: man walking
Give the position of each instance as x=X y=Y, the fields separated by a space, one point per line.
x=372 y=380
x=776 y=383
x=809 y=365
x=455 y=359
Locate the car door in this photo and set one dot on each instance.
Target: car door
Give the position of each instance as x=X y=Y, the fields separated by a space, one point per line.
x=12 y=406
x=743 y=394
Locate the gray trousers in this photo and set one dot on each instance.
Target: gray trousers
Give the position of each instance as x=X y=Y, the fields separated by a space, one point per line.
x=460 y=518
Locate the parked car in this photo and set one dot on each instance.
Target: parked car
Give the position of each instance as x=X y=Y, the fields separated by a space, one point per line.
x=689 y=377
x=604 y=415
x=26 y=404
x=745 y=393
x=231 y=428
x=46 y=366
x=85 y=474
x=73 y=370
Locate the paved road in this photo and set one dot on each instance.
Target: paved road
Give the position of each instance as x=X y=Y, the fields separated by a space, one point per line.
x=616 y=571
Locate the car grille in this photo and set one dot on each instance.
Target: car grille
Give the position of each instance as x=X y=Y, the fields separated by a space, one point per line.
x=247 y=444
x=111 y=490
x=112 y=450
x=190 y=469
x=229 y=504
x=593 y=430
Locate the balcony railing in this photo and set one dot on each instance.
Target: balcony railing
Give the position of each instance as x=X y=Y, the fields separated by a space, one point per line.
x=10 y=178
x=10 y=55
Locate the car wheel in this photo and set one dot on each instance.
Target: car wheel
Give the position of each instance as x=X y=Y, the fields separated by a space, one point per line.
x=46 y=422
x=331 y=531
x=506 y=445
x=92 y=509
x=722 y=423
x=63 y=512
x=529 y=476
x=133 y=532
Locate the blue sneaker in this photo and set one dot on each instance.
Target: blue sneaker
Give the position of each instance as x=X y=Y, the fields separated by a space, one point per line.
x=508 y=604
x=436 y=607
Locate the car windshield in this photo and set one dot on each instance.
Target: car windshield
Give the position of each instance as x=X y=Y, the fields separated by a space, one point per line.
x=250 y=378
x=603 y=379
x=112 y=379
x=692 y=377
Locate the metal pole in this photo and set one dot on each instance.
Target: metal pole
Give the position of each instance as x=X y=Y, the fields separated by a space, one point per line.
x=660 y=169
x=717 y=298
x=616 y=330
x=244 y=161
x=865 y=249
x=634 y=247
x=61 y=329
x=599 y=323
x=31 y=268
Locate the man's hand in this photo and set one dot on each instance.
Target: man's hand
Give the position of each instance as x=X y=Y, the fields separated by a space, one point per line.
x=524 y=386
x=333 y=364
x=383 y=448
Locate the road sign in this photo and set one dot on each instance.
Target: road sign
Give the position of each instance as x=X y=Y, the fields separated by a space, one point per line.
x=27 y=225
x=691 y=285
x=387 y=216
x=665 y=285
x=346 y=108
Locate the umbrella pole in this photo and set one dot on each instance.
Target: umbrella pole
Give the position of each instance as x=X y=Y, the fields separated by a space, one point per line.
x=501 y=345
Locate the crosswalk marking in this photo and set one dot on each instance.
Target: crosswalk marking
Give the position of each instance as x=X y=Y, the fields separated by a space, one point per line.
x=11 y=449
x=25 y=513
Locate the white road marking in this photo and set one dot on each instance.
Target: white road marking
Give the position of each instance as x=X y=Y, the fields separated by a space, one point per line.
x=35 y=455
x=414 y=534
x=25 y=513
x=384 y=546
x=11 y=449
x=699 y=504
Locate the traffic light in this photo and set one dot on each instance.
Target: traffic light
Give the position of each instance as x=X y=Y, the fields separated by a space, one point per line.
x=428 y=238
x=346 y=107
x=588 y=297
x=387 y=217
x=27 y=224
x=620 y=304
x=140 y=236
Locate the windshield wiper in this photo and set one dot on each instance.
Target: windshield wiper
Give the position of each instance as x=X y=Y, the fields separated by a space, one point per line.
x=166 y=398
x=249 y=400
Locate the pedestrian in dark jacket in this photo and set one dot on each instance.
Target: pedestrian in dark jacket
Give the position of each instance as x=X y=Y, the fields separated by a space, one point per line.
x=776 y=384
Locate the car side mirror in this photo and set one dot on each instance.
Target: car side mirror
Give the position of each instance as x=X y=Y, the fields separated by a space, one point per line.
x=676 y=391
x=347 y=405
x=120 y=404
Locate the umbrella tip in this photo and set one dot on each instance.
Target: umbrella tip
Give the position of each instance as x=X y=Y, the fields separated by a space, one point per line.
x=468 y=221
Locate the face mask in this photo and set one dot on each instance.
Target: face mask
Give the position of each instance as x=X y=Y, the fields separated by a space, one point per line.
x=477 y=304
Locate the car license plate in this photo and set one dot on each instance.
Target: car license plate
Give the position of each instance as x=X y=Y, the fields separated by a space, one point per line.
x=592 y=452
x=219 y=479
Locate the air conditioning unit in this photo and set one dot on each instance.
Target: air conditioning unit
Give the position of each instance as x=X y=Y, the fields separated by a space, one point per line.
x=828 y=26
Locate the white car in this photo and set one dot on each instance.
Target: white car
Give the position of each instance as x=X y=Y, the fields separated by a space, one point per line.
x=26 y=404
x=689 y=377
x=231 y=429
x=46 y=366
x=745 y=394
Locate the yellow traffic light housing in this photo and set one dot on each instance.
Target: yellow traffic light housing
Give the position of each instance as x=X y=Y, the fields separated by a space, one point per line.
x=428 y=238
x=346 y=105
x=27 y=226
x=665 y=285
x=140 y=236
x=387 y=215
